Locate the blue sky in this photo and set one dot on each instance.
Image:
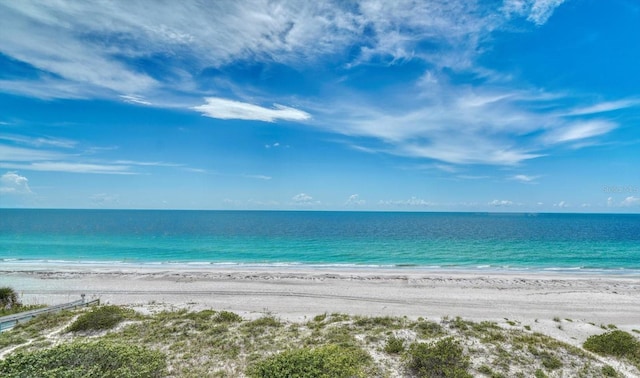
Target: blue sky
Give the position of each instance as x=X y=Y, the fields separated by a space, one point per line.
x=438 y=105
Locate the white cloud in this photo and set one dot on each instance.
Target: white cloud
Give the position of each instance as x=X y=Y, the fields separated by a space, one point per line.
x=274 y=145
x=454 y=124
x=10 y=153
x=258 y=177
x=524 y=178
x=604 y=107
x=302 y=198
x=86 y=49
x=536 y=11
x=499 y=203
x=71 y=167
x=133 y=99
x=228 y=109
x=40 y=141
x=147 y=163
x=354 y=200
x=13 y=183
x=579 y=130
x=561 y=204
x=411 y=202
x=542 y=10
x=610 y=202
x=70 y=161
x=630 y=201
x=90 y=49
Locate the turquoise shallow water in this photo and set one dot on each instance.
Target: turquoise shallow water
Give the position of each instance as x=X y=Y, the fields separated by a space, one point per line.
x=564 y=242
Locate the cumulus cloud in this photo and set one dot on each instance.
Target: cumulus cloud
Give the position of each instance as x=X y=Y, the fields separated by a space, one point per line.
x=302 y=198
x=228 y=109
x=354 y=200
x=411 y=202
x=561 y=204
x=499 y=203
x=13 y=183
x=630 y=201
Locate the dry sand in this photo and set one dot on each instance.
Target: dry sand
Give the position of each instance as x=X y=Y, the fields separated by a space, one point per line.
x=581 y=303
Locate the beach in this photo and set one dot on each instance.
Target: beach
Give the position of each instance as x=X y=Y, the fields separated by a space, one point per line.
x=565 y=306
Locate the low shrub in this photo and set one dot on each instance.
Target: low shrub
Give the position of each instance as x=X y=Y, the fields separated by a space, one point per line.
x=394 y=345
x=227 y=317
x=96 y=359
x=615 y=343
x=99 y=318
x=377 y=321
x=609 y=371
x=442 y=359
x=329 y=361
x=427 y=329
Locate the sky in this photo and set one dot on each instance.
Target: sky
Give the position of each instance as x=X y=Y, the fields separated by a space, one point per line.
x=435 y=105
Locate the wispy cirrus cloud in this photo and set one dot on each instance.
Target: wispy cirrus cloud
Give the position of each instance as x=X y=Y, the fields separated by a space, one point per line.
x=576 y=131
x=603 y=107
x=79 y=49
x=134 y=99
x=258 y=177
x=489 y=124
x=40 y=141
x=20 y=154
x=229 y=109
x=65 y=155
x=84 y=50
x=71 y=167
x=527 y=179
x=536 y=11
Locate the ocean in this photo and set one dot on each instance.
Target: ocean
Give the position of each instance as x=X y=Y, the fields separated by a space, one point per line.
x=608 y=243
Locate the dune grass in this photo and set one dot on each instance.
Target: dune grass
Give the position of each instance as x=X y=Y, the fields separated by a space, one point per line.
x=222 y=344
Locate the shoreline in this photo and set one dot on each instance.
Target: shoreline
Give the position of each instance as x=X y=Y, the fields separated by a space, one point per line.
x=299 y=293
x=8 y=265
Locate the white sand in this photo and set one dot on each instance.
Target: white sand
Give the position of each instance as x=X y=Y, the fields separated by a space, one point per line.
x=528 y=299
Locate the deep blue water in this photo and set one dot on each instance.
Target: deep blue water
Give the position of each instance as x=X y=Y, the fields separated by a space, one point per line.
x=584 y=242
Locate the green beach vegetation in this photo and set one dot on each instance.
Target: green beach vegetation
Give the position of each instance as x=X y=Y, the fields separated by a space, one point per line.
x=116 y=341
x=10 y=303
x=615 y=343
x=8 y=298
